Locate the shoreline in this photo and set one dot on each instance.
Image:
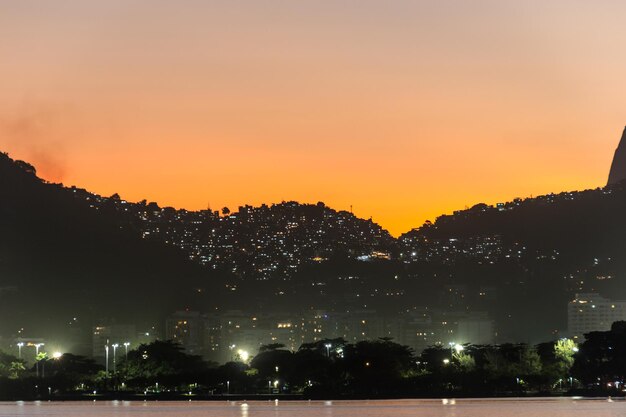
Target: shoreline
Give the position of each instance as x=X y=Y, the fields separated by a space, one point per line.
x=174 y=397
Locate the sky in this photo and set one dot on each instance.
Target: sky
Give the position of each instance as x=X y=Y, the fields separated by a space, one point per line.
x=402 y=109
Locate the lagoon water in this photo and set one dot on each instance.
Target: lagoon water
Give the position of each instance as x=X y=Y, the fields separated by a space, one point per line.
x=566 y=407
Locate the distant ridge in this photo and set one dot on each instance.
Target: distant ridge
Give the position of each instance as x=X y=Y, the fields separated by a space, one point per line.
x=66 y=252
x=618 y=167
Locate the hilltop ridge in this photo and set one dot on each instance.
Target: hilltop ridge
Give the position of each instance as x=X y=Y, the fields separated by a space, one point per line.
x=65 y=249
x=618 y=166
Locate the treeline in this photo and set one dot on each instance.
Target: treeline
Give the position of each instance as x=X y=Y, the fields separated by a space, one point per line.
x=335 y=369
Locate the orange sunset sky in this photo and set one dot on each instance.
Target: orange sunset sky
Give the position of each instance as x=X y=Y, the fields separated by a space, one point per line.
x=404 y=109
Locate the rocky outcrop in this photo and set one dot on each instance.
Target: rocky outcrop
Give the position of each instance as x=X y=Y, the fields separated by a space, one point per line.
x=618 y=167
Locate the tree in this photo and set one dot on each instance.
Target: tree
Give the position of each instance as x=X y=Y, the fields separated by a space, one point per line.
x=8 y=365
x=15 y=369
x=378 y=367
x=530 y=362
x=73 y=367
x=273 y=363
x=602 y=357
x=496 y=363
x=464 y=361
x=564 y=350
x=271 y=346
x=161 y=361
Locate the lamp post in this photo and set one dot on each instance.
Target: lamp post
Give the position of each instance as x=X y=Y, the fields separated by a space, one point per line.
x=126 y=344
x=37 y=346
x=227 y=387
x=20 y=345
x=106 y=360
x=115 y=346
x=328 y=346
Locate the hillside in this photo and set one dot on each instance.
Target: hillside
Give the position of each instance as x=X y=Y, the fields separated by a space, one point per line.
x=66 y=252
x=60 y=259
x=524 y=260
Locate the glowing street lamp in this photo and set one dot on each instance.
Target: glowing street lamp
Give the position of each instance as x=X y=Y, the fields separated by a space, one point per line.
x=328 y=346
x=106 y=359
x=115 y=346
x=243 y=355
x=126 y=344
x=37 y=346
x=20 y=345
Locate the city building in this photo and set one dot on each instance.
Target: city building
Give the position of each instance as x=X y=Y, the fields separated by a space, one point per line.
x=189 y=329
x=476 y=328
x=108 y=335
x=591 y=312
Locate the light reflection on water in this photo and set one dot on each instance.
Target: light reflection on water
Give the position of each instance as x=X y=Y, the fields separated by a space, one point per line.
x=405 y=408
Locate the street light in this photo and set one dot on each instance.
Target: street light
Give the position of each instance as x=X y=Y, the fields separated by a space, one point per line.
x=328 y=346
x=126 y=344
x=19 y=349
x=115 y=346
x=243 y=355
x=106 y=360
x=37 y=346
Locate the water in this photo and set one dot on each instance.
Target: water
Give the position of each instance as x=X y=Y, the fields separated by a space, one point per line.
x=413 y=408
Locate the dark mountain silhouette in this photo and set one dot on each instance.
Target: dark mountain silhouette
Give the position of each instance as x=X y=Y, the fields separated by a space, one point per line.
x=65 y=252
x=534 y=254
x=60 y=259
x=618 y=167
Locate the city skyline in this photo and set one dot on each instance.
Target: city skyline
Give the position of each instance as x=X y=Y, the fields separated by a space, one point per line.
x=312 y=207
x=274 y=257
x=403 y=111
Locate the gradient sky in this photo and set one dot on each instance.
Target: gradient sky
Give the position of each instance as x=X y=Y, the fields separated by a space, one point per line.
x=405 y=109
